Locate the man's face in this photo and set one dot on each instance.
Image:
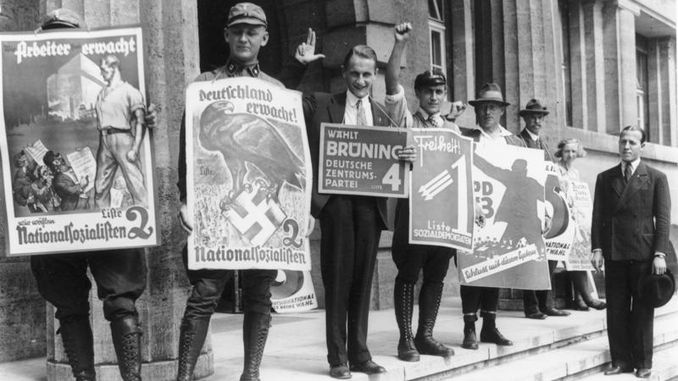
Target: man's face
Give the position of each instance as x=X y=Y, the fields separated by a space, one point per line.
x=488 y=114
x=534 y=122
x=359 y=75
x=431 y=97
x=245 y=40
x=107 y=71
x=630 y=145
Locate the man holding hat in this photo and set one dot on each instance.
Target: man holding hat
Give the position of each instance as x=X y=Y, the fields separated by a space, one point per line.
x=630 y=234
x=246 y=33
x=431 y=91
x=489 y=107
x=538 y=304
x=120 y=274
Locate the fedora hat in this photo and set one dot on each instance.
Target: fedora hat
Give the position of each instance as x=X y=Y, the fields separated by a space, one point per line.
x=657 y=290
x=533 y=106
x=490 y=92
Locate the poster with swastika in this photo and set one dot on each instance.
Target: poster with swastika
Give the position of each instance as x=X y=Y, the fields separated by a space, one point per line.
x=441 y=193
x=362 y=160
x=248 y=176
x=508 y=249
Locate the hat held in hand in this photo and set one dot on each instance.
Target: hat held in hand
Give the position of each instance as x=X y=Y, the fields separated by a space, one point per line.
x=657 y=290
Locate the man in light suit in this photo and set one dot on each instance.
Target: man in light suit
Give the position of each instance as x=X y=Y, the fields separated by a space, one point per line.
x=538 y=304
x=350 y=225
x=489 y=106
x=630 y=234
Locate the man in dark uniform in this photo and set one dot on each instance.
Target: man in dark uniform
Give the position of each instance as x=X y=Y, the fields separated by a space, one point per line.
x=630 y=234
x=120 y=276
x=538 y=304
x=489 y=107
x=246 y=32
x=433 y=261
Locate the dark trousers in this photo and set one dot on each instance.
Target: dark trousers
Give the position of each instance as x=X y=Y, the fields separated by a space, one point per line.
x=411 y=259
x=62 y=280
x=540 y=300
x=630 y=319
x=484 y=298
x=208 y=285
x=350 y=227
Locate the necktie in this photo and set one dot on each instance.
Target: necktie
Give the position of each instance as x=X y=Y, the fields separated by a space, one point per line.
x=628 y=173
x=361 y=119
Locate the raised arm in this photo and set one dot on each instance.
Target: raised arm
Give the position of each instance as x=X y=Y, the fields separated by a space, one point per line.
x=402 y=34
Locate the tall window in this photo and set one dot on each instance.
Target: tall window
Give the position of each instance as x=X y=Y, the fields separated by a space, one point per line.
x=436 y=26
x=642 y=98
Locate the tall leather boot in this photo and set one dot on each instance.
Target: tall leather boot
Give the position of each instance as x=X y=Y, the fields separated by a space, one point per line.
x=126 y=335
x=191 y=339
x=429 y=303
x=489 y=333
x=470 y=339
x=255 y=328
x=403 y=301
x=76 y=335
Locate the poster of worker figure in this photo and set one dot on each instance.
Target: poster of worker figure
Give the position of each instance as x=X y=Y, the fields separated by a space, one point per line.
x=248 y=176
x=582 y=208
x=441 y=194
x=562 y=227
x=509 y=249
x=76 y=158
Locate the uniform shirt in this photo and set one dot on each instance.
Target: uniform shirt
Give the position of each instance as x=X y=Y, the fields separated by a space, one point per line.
x=396 y=108
x=116 y=106
x=229 y=70
x=351 y=109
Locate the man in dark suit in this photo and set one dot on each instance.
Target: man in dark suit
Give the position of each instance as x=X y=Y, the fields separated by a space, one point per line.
x=538 y=304
x=350 y=225
x=630 y=234
x=489 y=107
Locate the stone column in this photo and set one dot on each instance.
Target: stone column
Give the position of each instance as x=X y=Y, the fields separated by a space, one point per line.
x=22 y=309
x=171 y=62
x=577 y=64
x=595 y=66
x=463 y=64
x=619 y=49
x=666 y=47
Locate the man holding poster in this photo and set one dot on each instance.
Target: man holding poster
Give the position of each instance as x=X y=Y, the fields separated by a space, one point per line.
x=489 y=107
x=350 y=225
x=410 y=259
x=241 y=141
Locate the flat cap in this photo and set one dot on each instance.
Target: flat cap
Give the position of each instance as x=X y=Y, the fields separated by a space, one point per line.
x=246 y=13
x=61 y=18
x=429 y=79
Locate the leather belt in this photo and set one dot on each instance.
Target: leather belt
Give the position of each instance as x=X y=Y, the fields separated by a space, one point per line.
x=111 y=131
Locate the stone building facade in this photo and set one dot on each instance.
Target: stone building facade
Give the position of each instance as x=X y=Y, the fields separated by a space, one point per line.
x=597 y=64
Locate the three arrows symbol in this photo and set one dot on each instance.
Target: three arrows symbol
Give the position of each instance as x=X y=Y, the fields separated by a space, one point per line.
x=436 y=185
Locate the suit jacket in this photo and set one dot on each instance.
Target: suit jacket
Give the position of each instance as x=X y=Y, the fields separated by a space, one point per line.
x=538 y=144
x=329 y=108
x=631 y=222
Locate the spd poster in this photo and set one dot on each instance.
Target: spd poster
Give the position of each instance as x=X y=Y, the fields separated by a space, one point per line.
x=441 y=194
x=77 y=169
x=509 y=250
x=248 y=176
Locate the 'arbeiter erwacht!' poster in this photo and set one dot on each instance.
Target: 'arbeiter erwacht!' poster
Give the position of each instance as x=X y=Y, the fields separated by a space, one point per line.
x=76 y=159
x=248 y=176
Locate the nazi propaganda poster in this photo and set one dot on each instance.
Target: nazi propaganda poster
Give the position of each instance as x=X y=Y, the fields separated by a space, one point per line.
x=76 y=158
x=249 y=176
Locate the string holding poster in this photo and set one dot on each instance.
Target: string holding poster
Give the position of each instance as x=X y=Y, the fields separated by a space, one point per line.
x=441 y=194
x=248 y=176
x=509 y=250
x=67 y=94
